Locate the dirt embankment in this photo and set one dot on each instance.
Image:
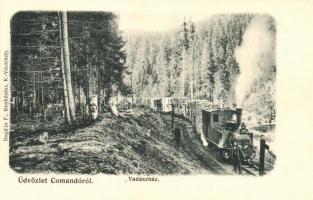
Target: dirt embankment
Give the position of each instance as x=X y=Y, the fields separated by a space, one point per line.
x=139 y=144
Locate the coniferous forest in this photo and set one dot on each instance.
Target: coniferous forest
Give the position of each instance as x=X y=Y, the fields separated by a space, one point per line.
x=199 y=61
x=44 y=75
x=88 y=97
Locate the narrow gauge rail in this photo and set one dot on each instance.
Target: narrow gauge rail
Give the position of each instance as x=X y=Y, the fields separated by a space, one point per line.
x=252 y=169
x=221 y=127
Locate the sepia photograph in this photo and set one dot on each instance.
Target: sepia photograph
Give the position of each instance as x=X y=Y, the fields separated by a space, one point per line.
x=143 y=99
x=90 y=95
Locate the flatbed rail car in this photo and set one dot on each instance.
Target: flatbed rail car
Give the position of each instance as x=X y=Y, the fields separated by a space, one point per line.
x=180 y=106
x=166 y=104
x=194 y=114
x=163 y=104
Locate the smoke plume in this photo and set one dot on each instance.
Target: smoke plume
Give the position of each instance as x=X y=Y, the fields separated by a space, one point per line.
x=255 y=55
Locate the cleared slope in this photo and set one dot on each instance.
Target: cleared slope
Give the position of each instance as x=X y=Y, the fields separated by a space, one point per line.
x=137 y=144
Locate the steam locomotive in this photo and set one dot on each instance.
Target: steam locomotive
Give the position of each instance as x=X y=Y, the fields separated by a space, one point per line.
x=224 y=130
x=221 y=127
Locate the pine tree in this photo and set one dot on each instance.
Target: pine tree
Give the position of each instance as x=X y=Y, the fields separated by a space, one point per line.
x=67 y=67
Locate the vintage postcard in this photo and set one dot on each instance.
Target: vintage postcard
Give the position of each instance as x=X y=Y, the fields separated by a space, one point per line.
x=129 y=99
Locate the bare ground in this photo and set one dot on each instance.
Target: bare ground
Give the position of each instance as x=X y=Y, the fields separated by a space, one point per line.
x=138 y=144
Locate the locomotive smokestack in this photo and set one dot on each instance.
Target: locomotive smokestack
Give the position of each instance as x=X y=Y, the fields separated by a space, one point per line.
x=239 y=116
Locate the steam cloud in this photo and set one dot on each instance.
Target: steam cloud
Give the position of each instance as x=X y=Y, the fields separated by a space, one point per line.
x=254 y=56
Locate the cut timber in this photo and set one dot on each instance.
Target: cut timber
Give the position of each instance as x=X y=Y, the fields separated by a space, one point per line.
x=128 y=112
x=43 y=138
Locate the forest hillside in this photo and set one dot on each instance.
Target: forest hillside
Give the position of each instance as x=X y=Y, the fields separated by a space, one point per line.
x=227 y=59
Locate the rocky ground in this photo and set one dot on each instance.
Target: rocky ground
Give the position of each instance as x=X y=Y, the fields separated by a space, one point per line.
x=141 y=143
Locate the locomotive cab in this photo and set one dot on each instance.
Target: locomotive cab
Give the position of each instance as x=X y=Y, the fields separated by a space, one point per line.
x=222 y=128
x=220 y=124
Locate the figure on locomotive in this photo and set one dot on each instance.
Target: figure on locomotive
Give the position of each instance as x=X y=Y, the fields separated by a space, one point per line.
x=224 y=130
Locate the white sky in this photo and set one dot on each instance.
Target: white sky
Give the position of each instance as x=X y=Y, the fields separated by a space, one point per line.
x=137 y=22
x=160 y=15
x=155 y=21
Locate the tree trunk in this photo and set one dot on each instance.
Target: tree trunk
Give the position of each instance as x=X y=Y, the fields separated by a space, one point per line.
x=192 y=73
x=42 y=94
x=92 y=92
x=67 y=67
x=65 y=99
x=182 y=76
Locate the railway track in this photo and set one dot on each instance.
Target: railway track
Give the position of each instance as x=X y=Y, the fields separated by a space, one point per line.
x=251 y=169
x=210 y=160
